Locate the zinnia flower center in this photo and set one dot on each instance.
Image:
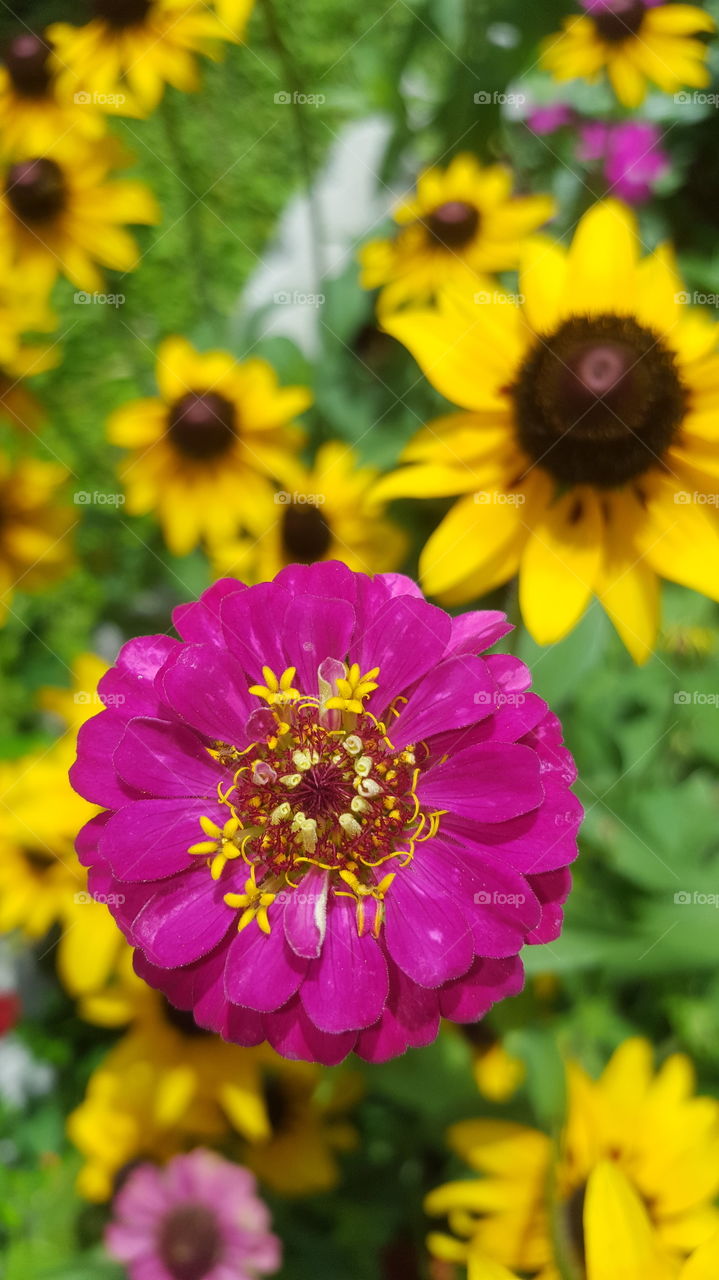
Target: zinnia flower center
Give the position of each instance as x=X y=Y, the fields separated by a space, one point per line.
x=36 y=190
x=306 y=535
x=619 y=19
x=453 y=224
x=599 y=401
x=27 y=64
x=190 y=1241
x=202 y=425
x=326 y=788
x=122 y=13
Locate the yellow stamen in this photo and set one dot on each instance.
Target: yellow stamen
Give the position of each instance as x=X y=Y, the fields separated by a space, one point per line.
x=253 y=903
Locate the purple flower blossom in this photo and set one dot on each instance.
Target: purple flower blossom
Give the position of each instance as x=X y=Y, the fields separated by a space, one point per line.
x=632 y=154
x=200 y=1218
x=329 y=821
x=547 y=119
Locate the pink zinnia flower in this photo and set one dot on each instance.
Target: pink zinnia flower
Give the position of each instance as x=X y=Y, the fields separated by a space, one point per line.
x=199 y=1218
x=329 y=820
x=632 y=153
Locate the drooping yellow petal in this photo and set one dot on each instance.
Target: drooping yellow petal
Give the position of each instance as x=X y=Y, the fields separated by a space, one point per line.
x=628 y=587
x=620 y=1242
x=560 y=565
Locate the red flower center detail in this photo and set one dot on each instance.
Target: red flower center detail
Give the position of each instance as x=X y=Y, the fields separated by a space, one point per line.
x=327 y=789
x=189 y=1242
x=453 y=223
x=620 y=20
x=35 y=190
x=27 y=64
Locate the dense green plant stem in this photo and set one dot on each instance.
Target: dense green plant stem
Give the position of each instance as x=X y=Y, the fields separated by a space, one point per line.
x=191 y=217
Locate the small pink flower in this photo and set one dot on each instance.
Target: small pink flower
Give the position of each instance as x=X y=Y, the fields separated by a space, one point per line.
x=200 y=1218
x=547 y=119
x=632 y=156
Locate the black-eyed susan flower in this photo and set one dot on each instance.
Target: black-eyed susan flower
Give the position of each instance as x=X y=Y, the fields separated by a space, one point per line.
x=36 y=106
x=588 y=450
x=132 y=48
x=329 y=515
x=35 y=532
x=631 y=1138
x=64 y=212
x=461 y=223
x=204 y=451
x=636 y=42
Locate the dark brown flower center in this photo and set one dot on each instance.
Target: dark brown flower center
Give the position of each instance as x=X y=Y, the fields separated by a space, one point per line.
x=36 y=190
x=27 y=60
x=453 y=224
x=281 y=1107
x=306 y=535
x=619 y=19
x=122 y=13
x=599 y=401
x=202 y=425
x=190 y=1241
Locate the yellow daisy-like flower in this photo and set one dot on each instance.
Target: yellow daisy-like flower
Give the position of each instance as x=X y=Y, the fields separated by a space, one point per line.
x=36 y=106
x=588 y=452
x=328 y=515
x=205 y=449
x=168 y=1085
x=42 y=884
x=63 y=212
x=34 y=533
x=633 y=1136
x=132 y=48
x=635 y=44
x=461 y=223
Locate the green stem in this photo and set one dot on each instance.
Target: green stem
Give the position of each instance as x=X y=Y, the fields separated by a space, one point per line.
x=191 y=217
x=294 y=86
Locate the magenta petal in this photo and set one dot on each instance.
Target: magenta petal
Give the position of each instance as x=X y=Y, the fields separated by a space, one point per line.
x=92 y=774
x=410 y=1020
x=538 y=841
x=328 y=578
x=88 y=839
x=161 y=759
x=491 y=782
x=291 y=1034
x=404 y=639
x=475 y=632
x=262 y=972
x=488 y=981
x=200 y=621
x=316 y=628
x=129 y=686
x=425 y=930
x=346 y=987
x=253 y=627
x=204 y=686
x=149 y=839
x=457 y=693
x=305 y=914
x=183 y=921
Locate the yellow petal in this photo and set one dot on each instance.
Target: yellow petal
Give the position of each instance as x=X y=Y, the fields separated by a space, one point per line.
x=464 y=355
x=680 y=535
x=620 y=1242
x=601 y=270
x=560 y=565
x=542 y=282
x=704 y=1264
x=628 y=587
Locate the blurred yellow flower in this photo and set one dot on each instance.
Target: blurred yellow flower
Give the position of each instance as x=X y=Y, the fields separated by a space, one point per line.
x=133 y=48
x=588 y=450
x=234 y=14
x=42 y=884
x=497 y=1073
x=636 y=43
x=168 y=1085
x=205 y=450
x=34 y=533
x=63 y=212
x=328 y=515
x=462 y=222
x=36 y=107
x=631 y=1137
